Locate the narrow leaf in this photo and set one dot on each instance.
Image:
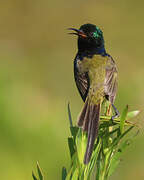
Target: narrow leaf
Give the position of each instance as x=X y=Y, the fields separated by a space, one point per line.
x=123 y=118
x=39 y=172
x=74 y=130
x=94 y=158
x=71 y=146
x=75 y=175
x=69 y=115
x=64 y=173
x=69 y=173
x=74 y=163
x=129 y=129
x=81 y=141
x=117 y=139
x=98 y=165
x=34 y=177
x=107 y=124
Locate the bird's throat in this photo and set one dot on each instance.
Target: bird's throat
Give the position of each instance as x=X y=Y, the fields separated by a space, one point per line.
x=90 y=49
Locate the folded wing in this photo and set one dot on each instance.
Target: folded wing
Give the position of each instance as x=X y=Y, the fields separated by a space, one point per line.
x=111 y=83
x=82 y=80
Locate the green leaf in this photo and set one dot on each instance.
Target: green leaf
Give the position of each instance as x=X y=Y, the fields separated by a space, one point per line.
x=123 y=118
x=81 y=142
x=98 y=165
x=129 y=129
x=69 y=115
x=75 y=175
x=74 y=163
x=64 y=173
x=117 y=139
x=132 y=114
x=68 y=177
x=94 y=158
x=74 y=131
x=39 y=172
x=107 y=124
x=79 y=145
x=34 y=177
x=71 y=146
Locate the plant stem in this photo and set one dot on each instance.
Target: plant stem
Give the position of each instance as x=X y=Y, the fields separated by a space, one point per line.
x=104 y=169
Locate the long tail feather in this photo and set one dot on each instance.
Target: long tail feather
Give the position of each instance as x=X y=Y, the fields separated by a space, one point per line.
x=92 y=131
x=82 y=115
x=89 y=121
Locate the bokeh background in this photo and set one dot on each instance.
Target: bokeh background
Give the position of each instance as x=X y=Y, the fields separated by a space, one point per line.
x=36 y=80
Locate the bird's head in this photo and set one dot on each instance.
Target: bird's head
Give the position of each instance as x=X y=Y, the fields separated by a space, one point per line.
x=89 y=37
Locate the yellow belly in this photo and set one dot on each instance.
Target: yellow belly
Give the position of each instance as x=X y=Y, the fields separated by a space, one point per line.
x=96 y=68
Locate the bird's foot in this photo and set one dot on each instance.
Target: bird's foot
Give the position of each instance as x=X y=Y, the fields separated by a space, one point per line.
x=117 y=114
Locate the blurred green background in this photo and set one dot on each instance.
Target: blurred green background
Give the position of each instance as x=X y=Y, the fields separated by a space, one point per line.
x=36 y=80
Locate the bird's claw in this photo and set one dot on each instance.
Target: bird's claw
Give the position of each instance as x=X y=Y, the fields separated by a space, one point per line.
x=112 y=118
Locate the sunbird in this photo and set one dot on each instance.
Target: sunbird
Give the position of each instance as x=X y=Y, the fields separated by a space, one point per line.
x=95 y=74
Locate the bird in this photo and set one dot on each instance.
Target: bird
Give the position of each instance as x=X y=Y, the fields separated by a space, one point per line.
x=96 y=78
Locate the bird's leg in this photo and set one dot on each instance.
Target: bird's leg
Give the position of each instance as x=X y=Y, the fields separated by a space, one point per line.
x=109 y=110
x=116 y=112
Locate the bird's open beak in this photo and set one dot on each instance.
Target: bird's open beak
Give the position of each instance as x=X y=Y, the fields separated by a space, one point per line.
x=78 y=32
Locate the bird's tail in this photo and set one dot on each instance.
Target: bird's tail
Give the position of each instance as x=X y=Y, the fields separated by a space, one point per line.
x=89 y=121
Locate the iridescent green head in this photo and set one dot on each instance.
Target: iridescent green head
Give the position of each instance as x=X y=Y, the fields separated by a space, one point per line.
x=92 y=31
x=90 y=37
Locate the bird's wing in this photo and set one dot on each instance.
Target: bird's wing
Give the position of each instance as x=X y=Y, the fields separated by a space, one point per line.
x=82 y=80
x=111 y=80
